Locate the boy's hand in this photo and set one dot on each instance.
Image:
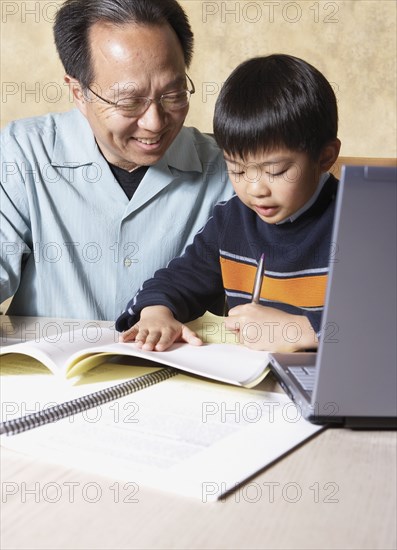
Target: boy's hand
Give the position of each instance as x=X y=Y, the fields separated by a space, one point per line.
x=267 y=328
x=158 y=329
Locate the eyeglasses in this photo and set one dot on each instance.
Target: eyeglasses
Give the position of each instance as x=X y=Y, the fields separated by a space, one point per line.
x=136 y=106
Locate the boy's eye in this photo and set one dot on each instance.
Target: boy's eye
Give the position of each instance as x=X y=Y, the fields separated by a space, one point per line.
x=276 y=174
x=235 y=170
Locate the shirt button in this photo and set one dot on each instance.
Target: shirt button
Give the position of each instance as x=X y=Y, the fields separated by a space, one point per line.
x=127 y=262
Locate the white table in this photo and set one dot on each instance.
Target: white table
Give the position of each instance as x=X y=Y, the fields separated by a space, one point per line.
x=336 y=491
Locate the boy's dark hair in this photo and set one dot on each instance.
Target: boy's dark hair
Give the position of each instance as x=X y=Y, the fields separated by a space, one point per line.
x=275 y=101
x=76 y=17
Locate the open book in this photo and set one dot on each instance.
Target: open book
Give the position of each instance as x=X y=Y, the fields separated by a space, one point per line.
x=73 y=353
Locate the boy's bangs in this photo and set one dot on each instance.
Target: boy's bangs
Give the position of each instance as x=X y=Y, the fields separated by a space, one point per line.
x=242 y=136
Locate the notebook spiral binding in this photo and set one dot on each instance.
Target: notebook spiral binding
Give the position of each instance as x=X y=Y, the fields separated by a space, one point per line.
x=75 y=406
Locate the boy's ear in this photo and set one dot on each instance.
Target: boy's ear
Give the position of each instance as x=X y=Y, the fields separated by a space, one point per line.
x=76 y=92
x=329 y=154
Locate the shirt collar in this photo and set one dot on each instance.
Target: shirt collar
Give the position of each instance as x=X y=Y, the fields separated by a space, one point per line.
x=309 y=203
x=83 y=150
x=182 y=153
x=75 y=144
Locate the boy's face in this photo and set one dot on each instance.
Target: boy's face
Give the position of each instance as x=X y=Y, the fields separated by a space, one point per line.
x=274 y=184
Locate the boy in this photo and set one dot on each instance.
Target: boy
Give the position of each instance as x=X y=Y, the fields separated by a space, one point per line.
x=276 y=121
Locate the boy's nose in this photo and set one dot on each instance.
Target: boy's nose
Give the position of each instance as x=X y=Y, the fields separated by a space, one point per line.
x=258 y=188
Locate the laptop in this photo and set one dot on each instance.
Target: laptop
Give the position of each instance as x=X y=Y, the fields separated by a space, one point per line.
x=351 y=380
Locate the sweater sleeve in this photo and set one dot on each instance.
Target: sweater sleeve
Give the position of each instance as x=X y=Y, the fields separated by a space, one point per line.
x=315 y=318
x=188 y=286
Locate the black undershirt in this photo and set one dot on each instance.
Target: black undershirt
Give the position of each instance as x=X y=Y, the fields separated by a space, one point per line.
x=128 y=181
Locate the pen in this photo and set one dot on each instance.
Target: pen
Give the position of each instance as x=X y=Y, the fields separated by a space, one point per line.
x=256 y=291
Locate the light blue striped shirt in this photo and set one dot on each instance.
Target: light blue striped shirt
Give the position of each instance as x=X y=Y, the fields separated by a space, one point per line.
x=72 y=244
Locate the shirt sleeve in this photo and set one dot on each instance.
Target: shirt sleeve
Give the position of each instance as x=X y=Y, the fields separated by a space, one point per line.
x=15 y=231
x=190 y=284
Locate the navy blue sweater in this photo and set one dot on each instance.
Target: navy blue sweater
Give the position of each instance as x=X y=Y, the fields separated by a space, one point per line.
x=223 y=259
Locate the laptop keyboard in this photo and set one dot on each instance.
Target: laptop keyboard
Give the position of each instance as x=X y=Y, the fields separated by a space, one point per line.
x=304 y=375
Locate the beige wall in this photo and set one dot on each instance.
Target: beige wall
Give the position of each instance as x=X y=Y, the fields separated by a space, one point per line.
x=352 y=42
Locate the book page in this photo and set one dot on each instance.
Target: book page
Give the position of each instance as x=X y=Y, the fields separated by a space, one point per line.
x=54 y=352
x=212 y=330
x=187 y=436
x=224 y=362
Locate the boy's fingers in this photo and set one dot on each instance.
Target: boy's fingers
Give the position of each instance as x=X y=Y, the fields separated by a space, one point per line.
x=150 y=339
x=159 y=340
x=232 y=324
x=141 y=335
x=130 y=334
x=236 y=310
x=190 y=337
x=168 y=337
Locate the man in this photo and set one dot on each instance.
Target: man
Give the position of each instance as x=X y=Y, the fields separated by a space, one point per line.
x=96 y=199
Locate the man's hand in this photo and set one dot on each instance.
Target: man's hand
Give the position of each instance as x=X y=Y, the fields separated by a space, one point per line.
x=270 y=329
x=158 y=329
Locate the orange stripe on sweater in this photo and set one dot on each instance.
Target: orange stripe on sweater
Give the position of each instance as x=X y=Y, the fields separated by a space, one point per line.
x=305 y=291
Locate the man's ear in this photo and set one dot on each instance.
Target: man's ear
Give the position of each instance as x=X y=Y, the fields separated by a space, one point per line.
x=76 y=92
x=329 y=154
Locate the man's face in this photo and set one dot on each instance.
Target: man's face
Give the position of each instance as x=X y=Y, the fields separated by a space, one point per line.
x=134 y=60
x=274 y=184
